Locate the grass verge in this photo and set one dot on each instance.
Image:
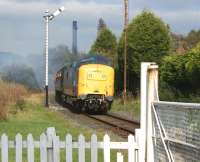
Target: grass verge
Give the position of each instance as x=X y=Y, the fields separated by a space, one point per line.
x=34 y=118
x=131 y=108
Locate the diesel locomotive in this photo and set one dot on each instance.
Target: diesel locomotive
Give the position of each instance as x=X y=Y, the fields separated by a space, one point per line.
x=87 y=85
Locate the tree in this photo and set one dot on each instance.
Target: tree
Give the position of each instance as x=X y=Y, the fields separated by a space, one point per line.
x=193 y=38
x=148 y=39
x=105 y=44
x=101 y=25
x=21 y=74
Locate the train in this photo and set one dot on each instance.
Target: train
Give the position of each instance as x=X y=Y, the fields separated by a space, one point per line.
x=87 y=84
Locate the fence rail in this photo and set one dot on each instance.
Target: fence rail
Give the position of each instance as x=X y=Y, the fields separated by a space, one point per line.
x=50 y=146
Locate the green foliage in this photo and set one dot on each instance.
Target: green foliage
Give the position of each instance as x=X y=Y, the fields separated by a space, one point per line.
x=193 y=38
x=173 y=71
x=180 y=74
x=105 y=44
x=148 y=40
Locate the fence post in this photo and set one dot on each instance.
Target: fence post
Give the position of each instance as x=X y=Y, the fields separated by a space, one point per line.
x=43 y=148
x=94 y=148
x=18 y=148
x=131 y=149
x=152 y=96
x=149 y=87
x=30 y=148
x=4 y=148
x=106 y=151
x=120 y=157
x=68 y=148
x=81 y=149
x=51 y=133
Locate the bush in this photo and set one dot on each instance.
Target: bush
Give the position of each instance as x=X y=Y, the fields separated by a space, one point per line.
x=180 y=75
x=10 y=94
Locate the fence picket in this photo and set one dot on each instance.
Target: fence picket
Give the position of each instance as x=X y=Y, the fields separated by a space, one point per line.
x=69 y=148
x=137 y=140
x=106 y=150
x=131 y=149
x=18 y=148
x=120 y=157
x=81 y=151
x=94 y=149
x=30 y=148
x=4 y=148
x=56 y=149
x=43 y=148
x=50 y=133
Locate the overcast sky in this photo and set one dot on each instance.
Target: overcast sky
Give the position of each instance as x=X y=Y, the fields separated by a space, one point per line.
x=22 y=25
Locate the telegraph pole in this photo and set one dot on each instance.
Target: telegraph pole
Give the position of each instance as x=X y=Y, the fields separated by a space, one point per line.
x=125 y=47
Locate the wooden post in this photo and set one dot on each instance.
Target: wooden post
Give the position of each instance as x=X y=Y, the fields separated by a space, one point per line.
x=131 y=149
x=106 y=151
x=152 y=96
x=68 y=148
x=51 y=133
x=4 y=148
x=94 y=148
x=43 y=148
x=120 y=157
x=30 y=148
x=149 y=93
x=81 y=149
x=18 y=148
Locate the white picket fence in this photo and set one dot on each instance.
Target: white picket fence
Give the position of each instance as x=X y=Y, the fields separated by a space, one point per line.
x=50 y=147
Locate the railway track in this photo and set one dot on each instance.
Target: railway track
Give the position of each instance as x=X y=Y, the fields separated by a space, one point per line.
x=117 y=124
x=123 y=127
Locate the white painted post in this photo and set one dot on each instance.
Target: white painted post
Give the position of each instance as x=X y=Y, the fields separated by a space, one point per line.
x=4 y=148
x=143 y=109
x=81 y=150
x=43 y=148
x=30 y=148
x=94 y=148
x=106 y=150
x=138 y=142
x=51 y=133
x=68 y=148
x=131 y=148
x=148 y=94
x=120 y=157
x=152 y=96
x=18 y=148
x=56 y=149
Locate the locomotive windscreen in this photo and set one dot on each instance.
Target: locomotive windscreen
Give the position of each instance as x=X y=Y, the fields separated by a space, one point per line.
x=94 y=59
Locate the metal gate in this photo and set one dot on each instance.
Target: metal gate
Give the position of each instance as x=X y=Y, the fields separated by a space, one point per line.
x=171 y=130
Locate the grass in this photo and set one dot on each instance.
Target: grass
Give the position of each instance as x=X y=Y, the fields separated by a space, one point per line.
x=131 y=108
x=34 y=118
x=10 y=93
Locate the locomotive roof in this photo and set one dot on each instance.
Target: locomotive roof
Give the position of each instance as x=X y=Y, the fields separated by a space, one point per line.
x=94 y=59
x=91 y=59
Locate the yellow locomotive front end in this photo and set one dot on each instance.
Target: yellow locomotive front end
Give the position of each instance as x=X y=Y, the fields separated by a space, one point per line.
x=96 y=86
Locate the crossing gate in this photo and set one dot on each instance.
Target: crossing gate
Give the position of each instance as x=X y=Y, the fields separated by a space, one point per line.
x=176 y=135
x=171 y=129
